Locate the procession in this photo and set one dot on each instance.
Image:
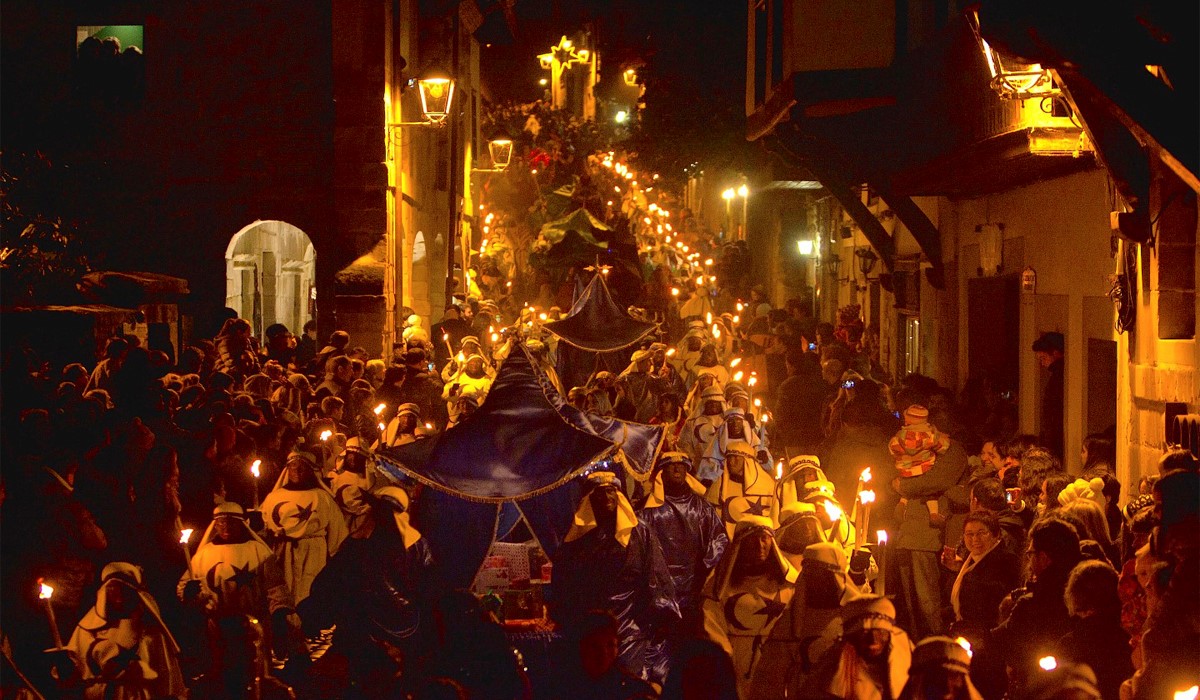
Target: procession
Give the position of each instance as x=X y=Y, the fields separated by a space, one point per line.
x=548 y=377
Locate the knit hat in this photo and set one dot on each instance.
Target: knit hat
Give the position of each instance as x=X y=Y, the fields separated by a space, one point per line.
x=1079 y=489
x=916 y=413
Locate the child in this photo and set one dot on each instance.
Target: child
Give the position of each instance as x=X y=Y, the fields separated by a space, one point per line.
x=916 y=447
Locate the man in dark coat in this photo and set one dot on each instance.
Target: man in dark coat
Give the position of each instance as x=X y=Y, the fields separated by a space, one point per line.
x=1049 y=350
x=611 y=561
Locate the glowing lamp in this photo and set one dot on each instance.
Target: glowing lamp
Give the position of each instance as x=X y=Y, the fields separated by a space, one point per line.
x=1012 y=80
x=437 y=95
x=501 y=151
x=621 y=117
x=805 y=246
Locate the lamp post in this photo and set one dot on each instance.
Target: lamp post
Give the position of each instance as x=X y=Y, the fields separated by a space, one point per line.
x=436 y=92
x=728 y=196
x=744 y=193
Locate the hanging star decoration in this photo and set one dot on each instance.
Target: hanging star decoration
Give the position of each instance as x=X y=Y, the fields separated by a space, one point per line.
x=242 y=576
x=563 y=53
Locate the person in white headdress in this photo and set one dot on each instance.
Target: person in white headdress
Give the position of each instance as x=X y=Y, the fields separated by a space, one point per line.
x=746 y=594
x=122 y=648
x=402 y=429
x=743 y=488
x=234 y=577
x=641 y=386
x=354 y=477
x=734 y=426
x=941 y=668
x=701 y=426
x=869 y=662
x=303 y=521
x=471 y=380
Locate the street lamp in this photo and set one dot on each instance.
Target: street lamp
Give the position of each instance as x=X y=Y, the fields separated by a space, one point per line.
x=1014 y=81
x=728 y=196
x=436 y=89
x=805 y=246
x=744 y=193
x=501 y=150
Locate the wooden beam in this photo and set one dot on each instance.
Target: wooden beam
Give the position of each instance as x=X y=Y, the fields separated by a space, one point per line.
x=1116 y=148
x=918 y=224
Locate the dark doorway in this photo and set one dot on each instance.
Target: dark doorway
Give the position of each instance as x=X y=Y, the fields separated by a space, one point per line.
x=993 y=331
x=1101 y=394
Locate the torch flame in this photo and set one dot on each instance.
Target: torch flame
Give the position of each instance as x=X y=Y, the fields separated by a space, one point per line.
x=779 y=469
x=881 y=536
x=866 y=475
x=866 y=496
x=45 y=590
x=1188 y=694
x=326 y=434
x=382 y=427
x=670 y=352
x=735 y=362
x=1048 y=663
x=185 y=535
x=254 y=467
x=962 y=642
x=737 y=376
x=833 y=511
x=429 y=426
x=379 y=408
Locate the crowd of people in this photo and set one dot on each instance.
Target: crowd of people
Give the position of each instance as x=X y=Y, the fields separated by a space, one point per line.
x=817 y=534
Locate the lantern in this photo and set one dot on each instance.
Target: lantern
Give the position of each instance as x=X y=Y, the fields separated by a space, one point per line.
x=437 y=94
x=1012 y=80
x=501 y=150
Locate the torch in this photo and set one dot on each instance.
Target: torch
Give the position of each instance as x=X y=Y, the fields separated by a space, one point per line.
x=185 y=535
x=254 y=469
x=881 y=538
x=44 y=593
x=446 y=340
x=865 y=499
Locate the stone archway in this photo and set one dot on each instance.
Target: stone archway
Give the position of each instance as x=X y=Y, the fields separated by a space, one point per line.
x=270 y=276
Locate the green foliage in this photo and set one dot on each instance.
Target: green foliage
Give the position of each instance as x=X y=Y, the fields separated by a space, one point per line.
x=41 y=254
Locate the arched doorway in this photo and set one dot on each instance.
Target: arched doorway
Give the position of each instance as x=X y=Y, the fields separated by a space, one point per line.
x=270 y=276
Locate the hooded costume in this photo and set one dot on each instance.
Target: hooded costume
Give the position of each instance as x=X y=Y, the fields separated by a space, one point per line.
x=932 y=660
x=751 y=494
x=623 y=572
x=811 y=624
x=243 y=578
x=307 y=526
x=355 y=476
x=377 y=588
x=740 y=611
x=414 y=332
x=126 y=658
x=701 y=427
x=734 y=426
x=642 y=388
x=843 y=673
x=688 y=528
x=462 y=384
x=392 y=436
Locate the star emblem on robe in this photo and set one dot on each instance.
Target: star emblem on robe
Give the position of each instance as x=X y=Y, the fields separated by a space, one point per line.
x=757 y=507
x=242 y=576
x=771 y=608
x=303 y=513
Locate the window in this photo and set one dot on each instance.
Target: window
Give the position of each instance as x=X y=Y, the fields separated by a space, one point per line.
x=109 y=64
x=912 y=345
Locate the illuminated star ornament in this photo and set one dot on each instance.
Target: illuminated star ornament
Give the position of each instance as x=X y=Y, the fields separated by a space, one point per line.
x=564 y=54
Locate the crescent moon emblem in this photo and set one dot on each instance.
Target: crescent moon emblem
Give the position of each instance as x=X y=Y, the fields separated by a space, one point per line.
x=337 y=495
x=731 y=612
x=275 y=514
x=211 y=577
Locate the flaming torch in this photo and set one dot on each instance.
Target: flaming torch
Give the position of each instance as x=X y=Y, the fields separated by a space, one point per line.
x=254 y=469
x=45 y=591
x=184 y=536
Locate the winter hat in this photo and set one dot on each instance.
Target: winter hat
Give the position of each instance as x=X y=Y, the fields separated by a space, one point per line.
x=1079 y=489
x=916 y=414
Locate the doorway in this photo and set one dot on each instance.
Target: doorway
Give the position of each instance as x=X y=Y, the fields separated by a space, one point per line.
x=994 y=332
x=270 y=276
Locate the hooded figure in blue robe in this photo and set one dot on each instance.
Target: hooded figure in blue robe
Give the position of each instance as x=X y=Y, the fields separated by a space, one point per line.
x=611 y=561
